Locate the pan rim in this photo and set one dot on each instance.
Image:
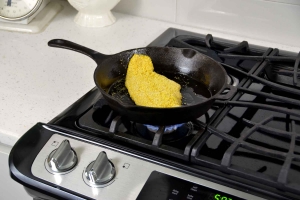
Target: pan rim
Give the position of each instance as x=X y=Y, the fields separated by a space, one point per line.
x=132 y=107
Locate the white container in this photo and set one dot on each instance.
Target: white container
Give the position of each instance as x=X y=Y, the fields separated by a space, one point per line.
x=94 y=13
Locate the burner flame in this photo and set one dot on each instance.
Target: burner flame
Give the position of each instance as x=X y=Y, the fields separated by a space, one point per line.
x=168 y=129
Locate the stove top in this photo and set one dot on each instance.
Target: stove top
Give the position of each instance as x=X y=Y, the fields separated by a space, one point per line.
x=250 y=142
x=254 y=136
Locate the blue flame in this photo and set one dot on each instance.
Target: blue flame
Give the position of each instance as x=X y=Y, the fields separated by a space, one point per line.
x=168 y=129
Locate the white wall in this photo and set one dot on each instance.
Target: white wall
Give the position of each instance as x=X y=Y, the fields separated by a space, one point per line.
x=271 y=20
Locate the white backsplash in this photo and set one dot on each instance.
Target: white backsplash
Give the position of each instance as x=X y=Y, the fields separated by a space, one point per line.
x=271 y=20
x=164 y=10
x=296 y=2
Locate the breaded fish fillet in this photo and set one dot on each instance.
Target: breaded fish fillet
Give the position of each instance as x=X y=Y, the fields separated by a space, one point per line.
x=147 y=88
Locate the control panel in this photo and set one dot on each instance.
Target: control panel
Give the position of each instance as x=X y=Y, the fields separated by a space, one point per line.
x=102 y=172
x=168 y=187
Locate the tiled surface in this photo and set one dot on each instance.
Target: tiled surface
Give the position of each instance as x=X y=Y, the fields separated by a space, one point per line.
x=164 y=10
x=295 y=2
x=270 y=21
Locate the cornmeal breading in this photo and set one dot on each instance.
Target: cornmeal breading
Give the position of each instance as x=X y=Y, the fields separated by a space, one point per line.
x=148 y=88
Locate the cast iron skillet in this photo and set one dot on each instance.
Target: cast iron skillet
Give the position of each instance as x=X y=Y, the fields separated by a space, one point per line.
x=202 y=80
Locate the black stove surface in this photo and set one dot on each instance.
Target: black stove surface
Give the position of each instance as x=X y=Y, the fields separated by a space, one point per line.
x=252 y=139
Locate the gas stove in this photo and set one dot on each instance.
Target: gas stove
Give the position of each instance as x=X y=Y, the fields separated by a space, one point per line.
x=246 y=147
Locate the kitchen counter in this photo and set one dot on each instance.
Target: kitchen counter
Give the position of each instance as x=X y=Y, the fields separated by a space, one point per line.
x=38 y=82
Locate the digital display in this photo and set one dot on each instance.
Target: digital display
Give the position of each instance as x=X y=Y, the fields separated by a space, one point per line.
x=161 y=186
x=220 y=197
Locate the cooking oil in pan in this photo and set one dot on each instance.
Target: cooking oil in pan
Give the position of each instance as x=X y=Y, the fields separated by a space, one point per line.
x=193 y=92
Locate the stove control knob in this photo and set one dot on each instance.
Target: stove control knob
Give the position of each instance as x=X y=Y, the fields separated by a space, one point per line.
x=62 y=159
x=99 y=172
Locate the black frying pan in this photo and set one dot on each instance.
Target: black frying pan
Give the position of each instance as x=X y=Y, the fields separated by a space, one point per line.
x=201 y=78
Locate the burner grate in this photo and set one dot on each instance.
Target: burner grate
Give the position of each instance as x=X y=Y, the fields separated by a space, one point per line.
x=281 y=182
x=243 y=55
x=265 y=82
x=242 y=47
x=283 y=70
x=270 y=111
x=295 y=73
x=119 y=129
x=215 y=50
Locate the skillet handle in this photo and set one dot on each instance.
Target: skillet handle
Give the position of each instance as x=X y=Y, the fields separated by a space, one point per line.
x=65 y=44
x=229 y=94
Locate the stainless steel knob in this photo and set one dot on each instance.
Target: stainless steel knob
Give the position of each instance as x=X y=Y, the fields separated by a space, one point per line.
x=99 y=172
x=62 y=159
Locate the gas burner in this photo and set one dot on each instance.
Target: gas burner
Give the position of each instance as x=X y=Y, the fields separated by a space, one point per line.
x=171 y=133
x=168 y=129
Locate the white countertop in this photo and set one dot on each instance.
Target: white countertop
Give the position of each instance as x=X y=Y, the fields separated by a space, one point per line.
x=38 y=82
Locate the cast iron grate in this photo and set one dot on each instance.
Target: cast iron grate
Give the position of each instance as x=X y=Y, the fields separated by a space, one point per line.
x=242 y=55
x=242 y=47
x=102 y=121
x=269 y=104
x=294 y=73
x=213 y=49
x=282 y=180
